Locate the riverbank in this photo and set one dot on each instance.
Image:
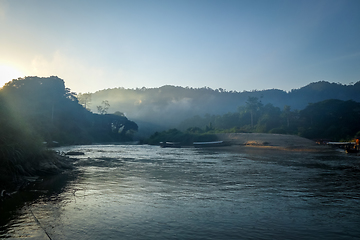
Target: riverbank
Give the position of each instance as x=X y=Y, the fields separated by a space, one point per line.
x=272 y=141
x=18 y=197
x=19 y=175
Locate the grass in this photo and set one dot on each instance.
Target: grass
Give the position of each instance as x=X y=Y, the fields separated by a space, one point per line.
x=18 y=161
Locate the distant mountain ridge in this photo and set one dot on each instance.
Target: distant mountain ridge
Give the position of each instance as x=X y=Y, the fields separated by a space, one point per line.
x=167 y=106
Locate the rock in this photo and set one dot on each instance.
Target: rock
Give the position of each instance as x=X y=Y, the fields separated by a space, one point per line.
x=73 y=153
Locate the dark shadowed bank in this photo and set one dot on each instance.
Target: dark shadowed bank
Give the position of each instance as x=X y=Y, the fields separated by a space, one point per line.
x=18 y=174
x=43 y=179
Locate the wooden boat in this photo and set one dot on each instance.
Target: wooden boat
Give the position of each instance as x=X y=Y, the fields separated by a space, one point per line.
x=349 y=147
x=210 y=144
x=170 y=145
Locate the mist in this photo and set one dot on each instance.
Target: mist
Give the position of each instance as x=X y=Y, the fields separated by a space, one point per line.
x=166 y=107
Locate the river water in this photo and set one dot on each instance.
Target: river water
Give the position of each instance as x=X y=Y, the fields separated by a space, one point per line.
x=147 y=192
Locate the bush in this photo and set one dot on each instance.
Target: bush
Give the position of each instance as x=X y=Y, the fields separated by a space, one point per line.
x=174 y=135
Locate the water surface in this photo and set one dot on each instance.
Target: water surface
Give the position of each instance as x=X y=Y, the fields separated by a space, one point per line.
x=147 y=192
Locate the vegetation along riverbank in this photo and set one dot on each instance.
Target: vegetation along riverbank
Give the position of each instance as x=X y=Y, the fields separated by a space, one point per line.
x=36 y=113
x=329 y=120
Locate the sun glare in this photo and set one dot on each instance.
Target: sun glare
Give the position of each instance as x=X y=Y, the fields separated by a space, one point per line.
x=8 y=73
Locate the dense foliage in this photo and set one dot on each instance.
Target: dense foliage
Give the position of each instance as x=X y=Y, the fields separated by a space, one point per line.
x=184 y=138
x=36 y=110
x=329 y=119
x=49 y=110
x=167 y=106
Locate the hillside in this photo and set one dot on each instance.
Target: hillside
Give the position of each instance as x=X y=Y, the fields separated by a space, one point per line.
x=46 y=109
x=167 y=106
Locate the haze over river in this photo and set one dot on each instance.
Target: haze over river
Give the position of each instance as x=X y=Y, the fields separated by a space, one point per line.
x=148 y=192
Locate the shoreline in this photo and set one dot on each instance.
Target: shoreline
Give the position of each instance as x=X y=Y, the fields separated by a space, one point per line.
x=269 y=141
x=319 y=148
x=241 y=148
x=13 y=182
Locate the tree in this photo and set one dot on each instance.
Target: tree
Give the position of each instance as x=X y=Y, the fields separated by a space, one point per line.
x=104 y=107
x=43 y=109
x=287 y=114
x=253 y=105
x=331 y=118
x=269 y=118
x=84 y=99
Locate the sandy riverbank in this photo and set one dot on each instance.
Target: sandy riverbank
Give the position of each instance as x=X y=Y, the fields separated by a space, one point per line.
x=272 y=141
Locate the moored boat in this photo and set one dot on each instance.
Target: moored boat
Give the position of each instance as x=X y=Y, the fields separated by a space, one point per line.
x=349 y=147
x=211 y=144
x=170 y=145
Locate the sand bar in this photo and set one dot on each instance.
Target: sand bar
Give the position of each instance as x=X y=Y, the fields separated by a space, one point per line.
x=273 y=141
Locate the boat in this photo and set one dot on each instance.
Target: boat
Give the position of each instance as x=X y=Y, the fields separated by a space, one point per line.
x=170 y=145
x=211 y=144
x=349 y=147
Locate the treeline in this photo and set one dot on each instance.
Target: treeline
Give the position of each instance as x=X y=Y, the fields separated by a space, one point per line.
x=52 y=112
x=35 y=112
x=182 y=137
x=165 y=107
x=330 y=119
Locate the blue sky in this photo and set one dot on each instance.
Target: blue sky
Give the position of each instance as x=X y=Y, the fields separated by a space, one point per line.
x=234 y=45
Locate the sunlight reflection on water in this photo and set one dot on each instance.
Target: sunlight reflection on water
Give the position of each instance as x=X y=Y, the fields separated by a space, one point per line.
x=147 y=192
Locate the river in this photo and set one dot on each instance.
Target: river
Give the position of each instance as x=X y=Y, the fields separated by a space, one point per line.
x=147 y=192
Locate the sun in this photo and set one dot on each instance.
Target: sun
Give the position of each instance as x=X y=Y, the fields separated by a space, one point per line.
x=8 y=73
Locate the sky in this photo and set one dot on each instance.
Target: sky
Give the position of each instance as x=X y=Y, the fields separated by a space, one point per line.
x=234 y=45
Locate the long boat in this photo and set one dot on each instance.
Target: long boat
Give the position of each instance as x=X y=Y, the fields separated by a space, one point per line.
x=170 y=145
x=210 y=144
x=349 y=147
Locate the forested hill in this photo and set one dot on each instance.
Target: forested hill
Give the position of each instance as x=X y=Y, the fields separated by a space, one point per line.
x=42 y=109
x=35 y=111
x=169 y=105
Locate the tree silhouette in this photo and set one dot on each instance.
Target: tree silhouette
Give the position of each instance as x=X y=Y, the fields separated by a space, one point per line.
x=253 y=105
x=104 y=107
x=85 y=99
x=46 y=108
